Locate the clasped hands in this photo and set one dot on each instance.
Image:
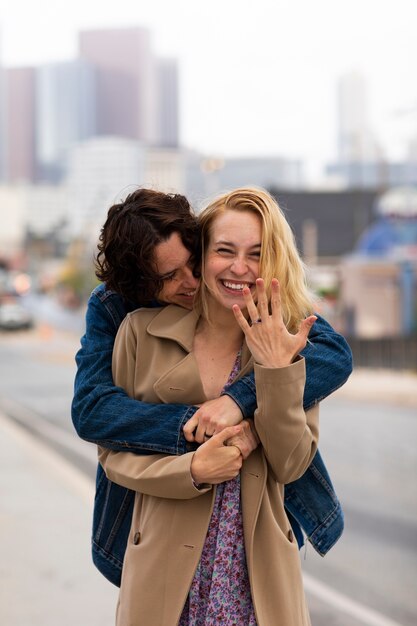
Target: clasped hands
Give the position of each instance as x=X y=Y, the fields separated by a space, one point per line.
x=221 y=456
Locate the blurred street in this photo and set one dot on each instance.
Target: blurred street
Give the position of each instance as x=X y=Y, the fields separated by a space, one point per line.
x=368 y=434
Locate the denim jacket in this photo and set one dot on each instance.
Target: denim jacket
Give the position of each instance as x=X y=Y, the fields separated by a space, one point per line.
x=105 y=415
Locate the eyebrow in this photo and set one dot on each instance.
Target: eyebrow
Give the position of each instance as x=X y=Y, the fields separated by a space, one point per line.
x=229 y=243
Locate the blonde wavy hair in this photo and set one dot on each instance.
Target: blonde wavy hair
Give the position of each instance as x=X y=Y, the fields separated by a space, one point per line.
x=279 y=255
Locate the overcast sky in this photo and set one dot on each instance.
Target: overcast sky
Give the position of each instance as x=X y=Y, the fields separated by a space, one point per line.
x=257 y=77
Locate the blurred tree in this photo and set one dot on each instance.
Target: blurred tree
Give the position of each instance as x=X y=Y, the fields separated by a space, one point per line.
x=77 y=279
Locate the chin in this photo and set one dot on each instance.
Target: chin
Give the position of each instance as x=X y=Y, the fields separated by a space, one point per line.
x=228 y=303
x=186 y=303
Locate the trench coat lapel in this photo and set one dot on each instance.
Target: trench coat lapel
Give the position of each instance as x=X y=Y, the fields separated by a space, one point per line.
x=181 y=383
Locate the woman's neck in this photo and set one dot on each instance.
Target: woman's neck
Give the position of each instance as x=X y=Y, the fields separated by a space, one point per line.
x=221 y=322
x=216 y=343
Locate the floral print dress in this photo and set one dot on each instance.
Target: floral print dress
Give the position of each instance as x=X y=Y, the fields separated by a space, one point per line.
x=220 y=592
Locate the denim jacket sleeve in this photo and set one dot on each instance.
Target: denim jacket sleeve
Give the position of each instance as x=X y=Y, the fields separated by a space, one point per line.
x=103 y=413
x=328 y=361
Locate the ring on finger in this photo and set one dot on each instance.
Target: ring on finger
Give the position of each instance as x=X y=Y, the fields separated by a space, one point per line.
x=258 y=321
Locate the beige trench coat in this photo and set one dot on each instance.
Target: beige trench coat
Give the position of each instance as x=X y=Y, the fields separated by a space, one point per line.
x=153 y=362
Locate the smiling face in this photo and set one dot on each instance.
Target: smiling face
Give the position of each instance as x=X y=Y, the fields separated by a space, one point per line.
x=174 y=266
x=232 y=256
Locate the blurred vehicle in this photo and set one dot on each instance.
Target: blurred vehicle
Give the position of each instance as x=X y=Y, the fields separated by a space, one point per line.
x=14 y=316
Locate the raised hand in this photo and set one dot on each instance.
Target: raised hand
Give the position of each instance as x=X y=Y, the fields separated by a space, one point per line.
x=211 y=418
x=215 y=461
x=267 y=337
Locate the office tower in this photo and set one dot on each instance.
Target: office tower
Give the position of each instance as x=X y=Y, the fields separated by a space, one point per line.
x=19 y=115
x=360 y=162
x=2 y=125
x=2 y=118
x=167 y=102
x=126 y=83
x=101 y=170
x=356 y=142
x=65 y=113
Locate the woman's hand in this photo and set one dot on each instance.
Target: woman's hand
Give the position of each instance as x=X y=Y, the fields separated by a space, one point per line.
x=247 y=440
x=268 y=339
x=215 y=461
x=211 y=418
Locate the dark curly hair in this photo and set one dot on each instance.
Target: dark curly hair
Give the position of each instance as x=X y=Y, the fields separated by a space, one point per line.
x=125 y=259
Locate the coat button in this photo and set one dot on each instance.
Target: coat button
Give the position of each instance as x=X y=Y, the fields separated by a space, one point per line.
x=136 y=539
x=291 y=536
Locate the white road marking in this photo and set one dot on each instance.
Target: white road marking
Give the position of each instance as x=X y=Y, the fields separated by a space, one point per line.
x=49 y=430
x=50 y=461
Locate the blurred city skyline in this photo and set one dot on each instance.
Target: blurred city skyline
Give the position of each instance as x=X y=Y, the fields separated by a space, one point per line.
x=254 y=80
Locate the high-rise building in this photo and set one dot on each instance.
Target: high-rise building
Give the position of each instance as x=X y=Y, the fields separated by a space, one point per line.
x=100 y=172
x=65 y=113
x=19 y=131
x=2 y=118
x=356 y=142
x=117 y=88
x=167 y=103
x=360 y=161
x=2 y=125
x=126 y=81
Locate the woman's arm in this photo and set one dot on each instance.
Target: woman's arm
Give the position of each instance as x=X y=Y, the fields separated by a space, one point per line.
x=177 y=477
x=157 y=475
x=288 y=434
x=102 y=412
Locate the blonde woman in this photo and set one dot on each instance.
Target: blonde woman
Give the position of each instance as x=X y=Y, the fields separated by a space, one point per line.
x=210 y=541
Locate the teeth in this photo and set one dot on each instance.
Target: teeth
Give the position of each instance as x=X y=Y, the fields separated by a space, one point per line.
x=189 y=293
x=235 y=286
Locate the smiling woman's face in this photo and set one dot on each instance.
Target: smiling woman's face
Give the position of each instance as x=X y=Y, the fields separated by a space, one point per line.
x=232 y=256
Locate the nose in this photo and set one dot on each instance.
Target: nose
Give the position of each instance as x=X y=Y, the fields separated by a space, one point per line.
x=239 y=266
x=189 y=280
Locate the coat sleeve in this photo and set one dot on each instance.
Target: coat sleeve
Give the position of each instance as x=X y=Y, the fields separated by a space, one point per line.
x=158 y=475
x=288 y=434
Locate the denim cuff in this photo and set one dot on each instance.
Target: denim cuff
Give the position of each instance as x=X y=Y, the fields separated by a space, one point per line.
x=243 y=392
x=183 y=445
